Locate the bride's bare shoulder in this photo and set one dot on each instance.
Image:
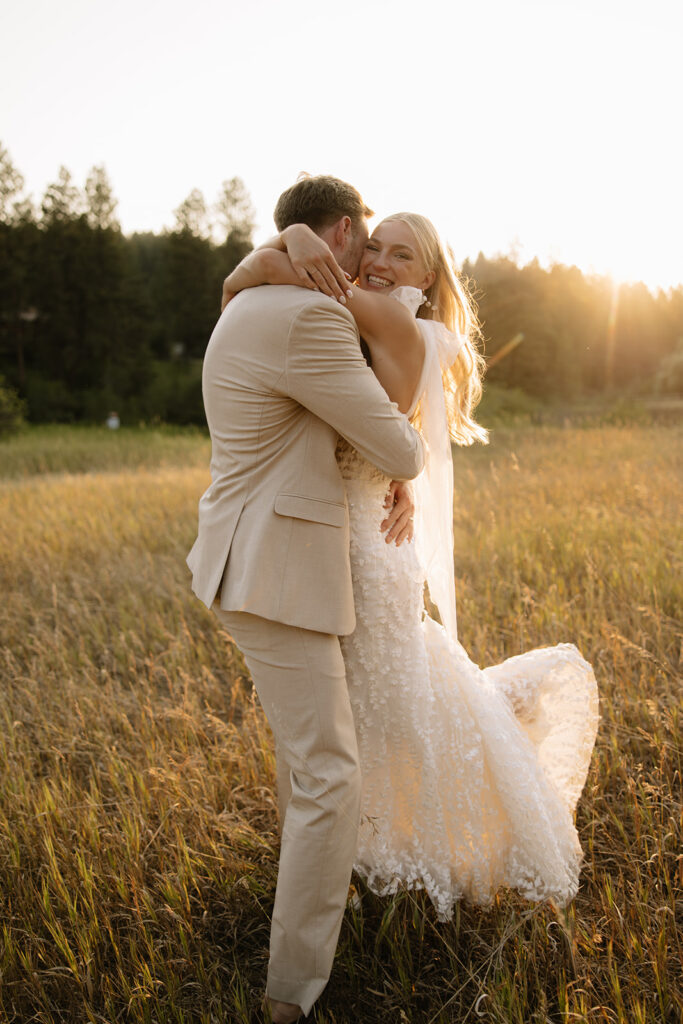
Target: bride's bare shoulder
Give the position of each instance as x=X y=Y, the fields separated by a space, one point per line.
x=384 y=321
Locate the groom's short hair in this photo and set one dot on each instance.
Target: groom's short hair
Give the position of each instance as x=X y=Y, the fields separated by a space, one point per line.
x=319 y=201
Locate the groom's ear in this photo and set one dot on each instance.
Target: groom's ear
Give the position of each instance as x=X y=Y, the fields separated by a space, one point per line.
x=343 y=232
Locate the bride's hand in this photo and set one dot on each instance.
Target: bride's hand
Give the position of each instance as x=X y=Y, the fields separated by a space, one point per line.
x=314 y=263
x=399 y=521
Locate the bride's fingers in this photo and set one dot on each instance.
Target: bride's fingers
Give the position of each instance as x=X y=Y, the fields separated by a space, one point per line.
x=317 y=281
x=405 y=535
x=396 y=522
x=327 y=282
x=334 y=276
x=402 y=530
x=342 y=279
x=400 y=501
x=304 y=276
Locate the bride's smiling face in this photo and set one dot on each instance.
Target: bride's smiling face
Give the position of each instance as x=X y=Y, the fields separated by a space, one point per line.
x=392 y=259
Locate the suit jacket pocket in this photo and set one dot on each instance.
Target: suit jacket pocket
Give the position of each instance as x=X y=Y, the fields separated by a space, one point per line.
x=317 y=510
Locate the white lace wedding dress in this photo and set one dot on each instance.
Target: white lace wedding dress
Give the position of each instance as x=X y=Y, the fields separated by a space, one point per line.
x=470 y=776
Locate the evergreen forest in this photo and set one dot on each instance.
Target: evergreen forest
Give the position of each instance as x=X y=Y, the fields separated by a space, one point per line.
x=92 y=320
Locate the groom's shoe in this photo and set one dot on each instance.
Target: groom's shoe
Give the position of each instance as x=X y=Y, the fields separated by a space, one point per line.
x=282 y=1013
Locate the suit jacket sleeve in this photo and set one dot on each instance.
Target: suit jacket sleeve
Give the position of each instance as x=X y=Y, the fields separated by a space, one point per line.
x=326 y=373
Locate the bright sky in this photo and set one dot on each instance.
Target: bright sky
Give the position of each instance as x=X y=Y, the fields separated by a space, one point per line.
x=548 y=127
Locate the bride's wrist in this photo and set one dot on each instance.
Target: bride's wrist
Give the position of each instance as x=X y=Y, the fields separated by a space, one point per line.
x=294 y=231
x=248 y=274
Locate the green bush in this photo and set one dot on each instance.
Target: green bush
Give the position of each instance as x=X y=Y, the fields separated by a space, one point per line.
x=50 y=400
x=171 y=393
x=174 y=394
x=11 y=410
x=501 y=405
x=626 y=412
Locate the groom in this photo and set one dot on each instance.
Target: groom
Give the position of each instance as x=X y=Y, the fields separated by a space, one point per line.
x=283 y=377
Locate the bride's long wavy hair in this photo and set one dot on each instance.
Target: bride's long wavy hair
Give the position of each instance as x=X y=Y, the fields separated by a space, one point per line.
x=454 y=307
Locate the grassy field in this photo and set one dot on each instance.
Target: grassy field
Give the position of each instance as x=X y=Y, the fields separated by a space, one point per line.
x=138 y=837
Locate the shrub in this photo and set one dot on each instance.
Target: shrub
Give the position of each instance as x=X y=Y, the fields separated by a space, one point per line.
x=501 y=405
x=50 y=401
x=174 y=394
x=626 y=412
x=11 y=410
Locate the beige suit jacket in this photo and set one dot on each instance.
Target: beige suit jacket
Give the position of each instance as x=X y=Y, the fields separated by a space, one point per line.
x=283 y=377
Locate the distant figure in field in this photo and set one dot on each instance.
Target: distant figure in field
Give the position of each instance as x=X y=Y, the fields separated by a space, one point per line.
x=470 y=777
x=113 y=421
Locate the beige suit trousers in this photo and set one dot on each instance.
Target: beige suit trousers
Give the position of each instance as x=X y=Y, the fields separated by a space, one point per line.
x=300 y=680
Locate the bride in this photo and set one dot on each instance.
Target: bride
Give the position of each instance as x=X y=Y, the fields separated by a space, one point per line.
x=470 y=776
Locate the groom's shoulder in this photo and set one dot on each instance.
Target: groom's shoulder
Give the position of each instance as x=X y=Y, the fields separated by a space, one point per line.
x=278 y=312
x=292 y=300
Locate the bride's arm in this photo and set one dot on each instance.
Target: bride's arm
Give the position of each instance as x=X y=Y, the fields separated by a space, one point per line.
x=298 y=256
x=312 y=259
x=396 y=345
x=262 y=266
x=311 y=264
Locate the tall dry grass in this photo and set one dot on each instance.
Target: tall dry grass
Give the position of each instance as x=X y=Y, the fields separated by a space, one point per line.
x=138 y=840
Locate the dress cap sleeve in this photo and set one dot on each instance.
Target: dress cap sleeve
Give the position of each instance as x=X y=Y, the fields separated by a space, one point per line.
x=408 y=296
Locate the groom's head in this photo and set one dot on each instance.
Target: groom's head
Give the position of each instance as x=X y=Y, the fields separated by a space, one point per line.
x=331 y=208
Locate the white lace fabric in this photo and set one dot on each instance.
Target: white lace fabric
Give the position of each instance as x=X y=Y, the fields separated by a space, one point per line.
x=470 y=776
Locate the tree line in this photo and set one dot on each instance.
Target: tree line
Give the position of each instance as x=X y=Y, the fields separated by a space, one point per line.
x=92 y=320
x=566 y=336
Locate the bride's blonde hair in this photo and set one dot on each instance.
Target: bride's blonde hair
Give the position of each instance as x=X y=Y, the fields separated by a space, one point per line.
x=453 y=306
